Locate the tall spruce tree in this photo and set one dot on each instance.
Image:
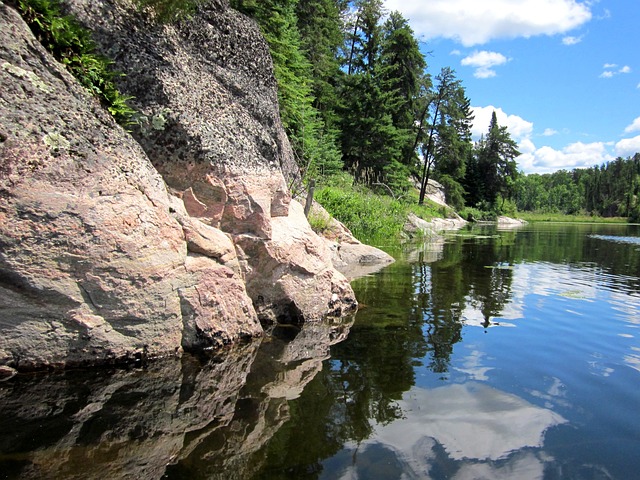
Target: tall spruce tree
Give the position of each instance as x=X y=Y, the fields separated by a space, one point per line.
x=402 y=67
x=493 y=171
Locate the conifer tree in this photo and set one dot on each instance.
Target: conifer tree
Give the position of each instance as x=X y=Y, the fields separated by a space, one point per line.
x=493 y=172
x=445 y=147
x=401 y=73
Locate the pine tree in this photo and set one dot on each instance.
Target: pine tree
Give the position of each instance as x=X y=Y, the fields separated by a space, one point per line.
x=445 y=146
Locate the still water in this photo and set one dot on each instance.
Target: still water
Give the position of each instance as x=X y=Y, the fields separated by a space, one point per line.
x=494 y=354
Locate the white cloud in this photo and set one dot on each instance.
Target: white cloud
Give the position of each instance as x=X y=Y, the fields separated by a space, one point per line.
x=576 y=155
x=456 y=53
x=628 y=146
x=571 y=40
x=484 y=62
x=546 y=159
x=518 y=128
x=634 y=127
x=610 y=70
x=473 y=22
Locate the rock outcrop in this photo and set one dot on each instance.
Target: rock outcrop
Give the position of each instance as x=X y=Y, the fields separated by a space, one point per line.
x=177 y=236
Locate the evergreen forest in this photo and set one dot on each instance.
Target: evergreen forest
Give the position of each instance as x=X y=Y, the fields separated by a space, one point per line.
x=356 y=95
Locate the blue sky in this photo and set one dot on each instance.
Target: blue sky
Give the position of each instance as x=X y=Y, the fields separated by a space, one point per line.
x=562 y=75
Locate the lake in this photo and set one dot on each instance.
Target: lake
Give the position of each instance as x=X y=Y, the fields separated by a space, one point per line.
x=490 y=354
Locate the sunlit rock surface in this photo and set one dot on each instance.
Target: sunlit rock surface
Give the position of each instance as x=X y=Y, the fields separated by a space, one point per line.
x=117 y=245
x=95 y=265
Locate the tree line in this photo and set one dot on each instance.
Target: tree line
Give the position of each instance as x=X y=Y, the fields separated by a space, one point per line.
x=608 y=190
x=356 y=94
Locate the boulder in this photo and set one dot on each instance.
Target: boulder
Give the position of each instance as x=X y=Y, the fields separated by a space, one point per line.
x=117 y=245
x=98 y=262
x=208 y=82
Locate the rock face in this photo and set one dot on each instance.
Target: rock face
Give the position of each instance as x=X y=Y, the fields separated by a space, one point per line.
x=114 y=246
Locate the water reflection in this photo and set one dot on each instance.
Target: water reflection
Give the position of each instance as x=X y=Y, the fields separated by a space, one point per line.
x=179 y=418
x=427 y=383
x=482 y=429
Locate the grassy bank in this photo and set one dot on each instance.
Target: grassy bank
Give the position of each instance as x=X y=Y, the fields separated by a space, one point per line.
x=372 y=218
x=377 y=218
x=559 y=217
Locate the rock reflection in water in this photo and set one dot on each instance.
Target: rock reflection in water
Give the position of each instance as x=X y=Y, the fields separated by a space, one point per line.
x=178 y=418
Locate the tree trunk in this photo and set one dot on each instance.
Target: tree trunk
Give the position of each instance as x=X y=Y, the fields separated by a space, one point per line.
x=427 y=156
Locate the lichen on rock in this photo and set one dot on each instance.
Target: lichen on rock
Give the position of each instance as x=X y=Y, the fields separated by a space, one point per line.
x=177 y=235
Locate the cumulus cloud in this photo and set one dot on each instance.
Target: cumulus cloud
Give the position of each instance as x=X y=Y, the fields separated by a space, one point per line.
x=472 y=22
x=634 y=127
x=546 y=159
x=576 y=155
x=518 y=128
x=549 y=132
x=628 y=146
x=484 y=63
x=611 y=69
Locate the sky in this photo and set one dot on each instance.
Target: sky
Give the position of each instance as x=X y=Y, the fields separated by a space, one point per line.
x=562 y=75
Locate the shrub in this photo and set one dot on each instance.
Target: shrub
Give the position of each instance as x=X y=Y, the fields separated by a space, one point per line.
x=71 y=45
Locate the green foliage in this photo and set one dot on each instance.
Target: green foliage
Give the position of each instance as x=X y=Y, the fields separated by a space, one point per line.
x=370 y=217
x=319 y=222
x=564 y=218
x=492 y=173
x=609 y=190
x=472 y=214
x=71 y=44
x=453 y=191
x=447 y=148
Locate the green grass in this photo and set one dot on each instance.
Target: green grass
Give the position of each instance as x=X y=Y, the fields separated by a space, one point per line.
x=559 y=217
x=372 y=218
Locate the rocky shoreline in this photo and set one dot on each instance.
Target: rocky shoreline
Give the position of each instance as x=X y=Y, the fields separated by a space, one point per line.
x=177 y=235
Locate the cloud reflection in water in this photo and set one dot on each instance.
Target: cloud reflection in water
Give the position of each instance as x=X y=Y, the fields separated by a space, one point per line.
x=488 y=432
